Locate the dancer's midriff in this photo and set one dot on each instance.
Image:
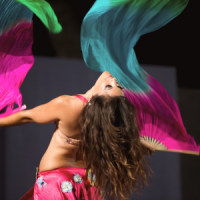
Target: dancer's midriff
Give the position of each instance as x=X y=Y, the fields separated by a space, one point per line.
x=60 y=154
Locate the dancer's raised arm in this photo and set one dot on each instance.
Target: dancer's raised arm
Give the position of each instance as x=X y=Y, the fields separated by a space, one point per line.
x=42 y=114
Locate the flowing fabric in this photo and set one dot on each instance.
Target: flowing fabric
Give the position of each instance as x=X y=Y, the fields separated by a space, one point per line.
x=109 y=32
x=64 y=183
x=44 y=11
x=16 y=39
x=160 y=121
x=111 y=29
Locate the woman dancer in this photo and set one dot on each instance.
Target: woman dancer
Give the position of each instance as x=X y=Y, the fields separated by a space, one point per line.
x=110 y=148
x=108 y=135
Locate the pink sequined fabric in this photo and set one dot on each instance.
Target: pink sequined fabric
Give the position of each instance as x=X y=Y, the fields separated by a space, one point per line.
x=63 y=183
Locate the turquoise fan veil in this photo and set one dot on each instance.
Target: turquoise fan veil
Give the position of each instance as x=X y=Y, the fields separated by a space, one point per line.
x=109 y=32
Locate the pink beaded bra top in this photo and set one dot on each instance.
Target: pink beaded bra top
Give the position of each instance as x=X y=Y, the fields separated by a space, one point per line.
x=81 y=97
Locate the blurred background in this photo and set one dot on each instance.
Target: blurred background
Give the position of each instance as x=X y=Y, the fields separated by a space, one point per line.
x=173 y=50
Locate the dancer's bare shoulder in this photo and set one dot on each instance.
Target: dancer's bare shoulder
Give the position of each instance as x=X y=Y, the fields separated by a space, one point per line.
x=71 y=110
x=61 y=108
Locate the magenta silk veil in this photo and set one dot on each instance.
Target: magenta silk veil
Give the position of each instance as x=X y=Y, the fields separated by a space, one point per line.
x=160 y=121
x=16 y=39
x=109 y=32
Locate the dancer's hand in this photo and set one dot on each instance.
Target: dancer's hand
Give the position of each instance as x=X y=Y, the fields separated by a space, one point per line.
x=14 y=118
x=23 y=107
x=19 y=109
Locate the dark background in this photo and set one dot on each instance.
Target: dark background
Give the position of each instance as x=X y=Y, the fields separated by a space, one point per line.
x=176 y=44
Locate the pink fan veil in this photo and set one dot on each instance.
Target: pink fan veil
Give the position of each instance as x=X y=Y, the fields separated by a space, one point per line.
x=159 y=120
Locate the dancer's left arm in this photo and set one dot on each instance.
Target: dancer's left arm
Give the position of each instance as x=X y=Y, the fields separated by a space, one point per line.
x=43 y=114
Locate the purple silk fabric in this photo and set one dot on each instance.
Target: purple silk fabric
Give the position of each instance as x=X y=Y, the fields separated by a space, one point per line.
x=48 y=185
x=159 y=117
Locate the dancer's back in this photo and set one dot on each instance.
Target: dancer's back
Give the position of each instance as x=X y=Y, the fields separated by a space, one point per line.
x=62 y=151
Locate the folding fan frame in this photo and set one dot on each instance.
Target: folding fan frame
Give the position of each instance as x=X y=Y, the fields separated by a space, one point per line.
x=154 y=144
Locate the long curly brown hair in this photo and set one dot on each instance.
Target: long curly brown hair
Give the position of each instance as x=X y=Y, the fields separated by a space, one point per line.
x=111 y=147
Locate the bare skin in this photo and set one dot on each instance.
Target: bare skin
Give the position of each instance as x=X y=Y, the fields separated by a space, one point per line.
x=65 y=111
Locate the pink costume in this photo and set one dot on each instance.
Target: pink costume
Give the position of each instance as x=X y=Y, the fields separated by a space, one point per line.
x=63 y=183
x=66 y=183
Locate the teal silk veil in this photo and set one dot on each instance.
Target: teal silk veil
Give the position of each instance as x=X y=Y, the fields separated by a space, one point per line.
x=111 y=29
